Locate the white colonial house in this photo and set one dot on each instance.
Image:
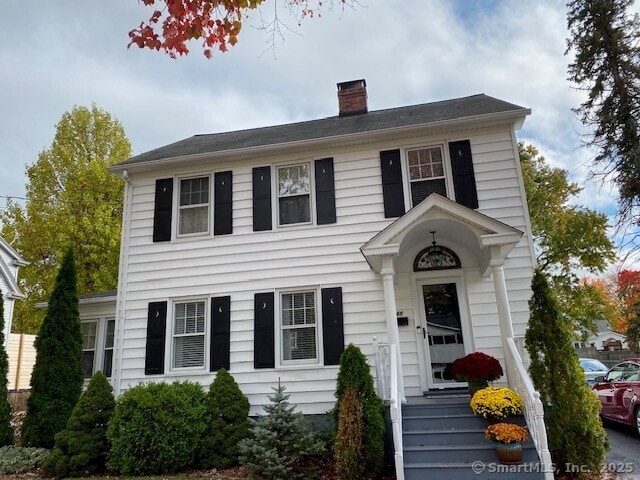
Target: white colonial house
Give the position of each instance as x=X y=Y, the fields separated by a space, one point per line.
x=266 y=251
x=10 y=262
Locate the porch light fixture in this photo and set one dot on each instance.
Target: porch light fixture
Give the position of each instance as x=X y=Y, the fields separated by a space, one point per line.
x=435 y=257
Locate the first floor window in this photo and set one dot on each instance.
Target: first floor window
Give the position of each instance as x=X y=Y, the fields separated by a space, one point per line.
x=294 y=187
x=89 y=333
x=426 y=173
x=194 y=206
x=299 y=326
x=107 y=361
x=189 y=334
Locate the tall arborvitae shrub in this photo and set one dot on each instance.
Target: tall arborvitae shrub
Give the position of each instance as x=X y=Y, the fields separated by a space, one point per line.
x=6 y=432
x=574 y=429
x=278 y=446
x=348 y=447
x=355 y=373
x=227 y=422
x=81 y=449
x=57 y=377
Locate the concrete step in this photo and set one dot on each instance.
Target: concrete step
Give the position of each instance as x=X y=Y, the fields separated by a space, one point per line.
x=461 y=453
x=472 y=471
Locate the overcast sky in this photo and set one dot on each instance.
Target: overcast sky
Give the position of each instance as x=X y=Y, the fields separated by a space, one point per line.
x=54 y=55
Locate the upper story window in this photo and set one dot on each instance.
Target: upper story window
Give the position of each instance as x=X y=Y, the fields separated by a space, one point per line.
x=193 y=210
x=189 y=322
x=294 y=199
x=299 y=326
x=426 y=173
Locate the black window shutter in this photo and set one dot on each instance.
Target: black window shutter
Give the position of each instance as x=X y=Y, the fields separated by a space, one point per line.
x=263 y=342
x=156 y=331
x=332 y=325
x=162 y=210
x=223 y=211
x=261 y=199
x=220 y=333
x=325 y=191
x=464 y=180
x=392 y=190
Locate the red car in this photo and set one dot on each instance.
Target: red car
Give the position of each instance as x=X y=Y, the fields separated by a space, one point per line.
x=619 y=392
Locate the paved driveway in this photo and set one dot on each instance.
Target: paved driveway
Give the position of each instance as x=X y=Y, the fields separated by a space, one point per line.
x=624 y=456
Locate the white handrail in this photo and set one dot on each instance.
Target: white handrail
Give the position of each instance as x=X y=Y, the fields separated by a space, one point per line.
x=395 y=410
x=533 y=410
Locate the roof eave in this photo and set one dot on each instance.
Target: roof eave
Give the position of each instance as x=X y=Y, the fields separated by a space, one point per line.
x=513 y=117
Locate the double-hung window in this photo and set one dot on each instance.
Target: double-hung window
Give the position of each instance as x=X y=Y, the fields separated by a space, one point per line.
x=294 y=199
x=89 y=335
x=426 y=173
x=189 y=321
x=299 y=326
x=193 y=206
x=107 y=361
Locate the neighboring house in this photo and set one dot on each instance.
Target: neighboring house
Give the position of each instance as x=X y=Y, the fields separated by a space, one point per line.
x=266 y=251
x=604 y=338
x=10 y=262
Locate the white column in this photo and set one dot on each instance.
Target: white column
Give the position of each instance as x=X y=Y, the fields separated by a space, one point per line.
x=502 y=301
x=387 y=273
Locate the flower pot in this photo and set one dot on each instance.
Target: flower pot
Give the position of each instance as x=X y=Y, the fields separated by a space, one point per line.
x=509 y=453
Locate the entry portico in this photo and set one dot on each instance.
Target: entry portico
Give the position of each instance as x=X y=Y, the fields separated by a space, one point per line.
x=444 y=250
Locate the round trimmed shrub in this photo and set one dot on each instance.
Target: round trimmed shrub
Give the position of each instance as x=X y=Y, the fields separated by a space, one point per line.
x=157 y=428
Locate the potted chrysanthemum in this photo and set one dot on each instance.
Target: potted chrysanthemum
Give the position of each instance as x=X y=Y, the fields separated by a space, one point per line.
x=496 y=403
x=477 y=369
x=508 y=438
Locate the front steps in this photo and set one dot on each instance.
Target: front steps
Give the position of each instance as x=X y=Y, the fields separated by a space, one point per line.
x=443 y=439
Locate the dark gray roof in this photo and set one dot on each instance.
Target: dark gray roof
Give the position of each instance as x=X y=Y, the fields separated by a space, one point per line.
x=427 y=113
x=107 y=294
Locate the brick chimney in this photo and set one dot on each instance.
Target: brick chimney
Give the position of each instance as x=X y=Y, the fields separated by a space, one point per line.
x=352 y=97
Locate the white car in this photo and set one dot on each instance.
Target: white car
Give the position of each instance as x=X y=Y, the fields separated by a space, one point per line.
x=593 y=368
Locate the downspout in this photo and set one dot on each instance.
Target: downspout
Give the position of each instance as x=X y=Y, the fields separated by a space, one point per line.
x=123 y=271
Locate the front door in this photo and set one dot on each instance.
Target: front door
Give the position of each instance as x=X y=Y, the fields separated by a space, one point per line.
x=443 y=332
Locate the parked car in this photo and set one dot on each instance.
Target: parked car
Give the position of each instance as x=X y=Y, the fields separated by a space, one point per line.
x=593 y=368
x=619 y=392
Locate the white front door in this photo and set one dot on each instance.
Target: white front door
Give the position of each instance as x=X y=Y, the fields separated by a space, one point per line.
x=445 y=333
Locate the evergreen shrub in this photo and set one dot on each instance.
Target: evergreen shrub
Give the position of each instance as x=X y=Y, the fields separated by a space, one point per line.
x=57 y=376
x=157 y=428
x=574 y=429
x=20 y=459
x=278 y=448
x=81 y=449
x=349 y=438
x=355 y=373
x=227 y=422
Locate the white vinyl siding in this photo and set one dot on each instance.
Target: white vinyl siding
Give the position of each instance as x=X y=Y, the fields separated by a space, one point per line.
x=89 y=335
x=189 y=334
x=426 y=168
x=292 y=259
x=299 y=327
x=294 y=199
x=193 y=210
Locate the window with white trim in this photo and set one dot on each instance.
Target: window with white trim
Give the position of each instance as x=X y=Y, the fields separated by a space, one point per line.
x=299 y=327
x=294 y=194
x=109 y=336
x=89 y=335
x=189 y=320
x=426 y=168
x=193 y=206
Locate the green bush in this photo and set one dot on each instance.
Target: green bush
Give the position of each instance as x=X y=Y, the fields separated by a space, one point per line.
x=323 y=428
x=355 y=373
x=227 y=422
x=572 y=410
x=20 y=459
x=57 y=377
x=157 y=428
x=278 y=447
x=81 y=449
